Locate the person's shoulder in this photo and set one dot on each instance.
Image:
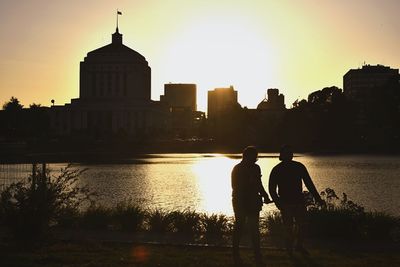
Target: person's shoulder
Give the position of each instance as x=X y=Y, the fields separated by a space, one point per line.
x=277 y=166
x=298 y=164
x=237 y=166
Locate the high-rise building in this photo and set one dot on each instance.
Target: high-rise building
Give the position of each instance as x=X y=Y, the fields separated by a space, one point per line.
x=363 y=85
x=184 y=121
x=180 y=95
x=222 y=101
x=223 y=114
x=274 y=101
x=374 y=91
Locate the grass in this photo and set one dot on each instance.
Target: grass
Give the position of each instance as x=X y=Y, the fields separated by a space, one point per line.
x=215 y=226
x=159 y=221
x=187 y=224
x=96 y=217
x=123 y=254
x=128 y=217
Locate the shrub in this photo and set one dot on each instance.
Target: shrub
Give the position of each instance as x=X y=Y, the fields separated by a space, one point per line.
x=69 y=218
x=340 y=219
x=186 y=223
x=128 y=217
x=334 y=223
x=380 y=226
x=96 y=217
x=159 y=221
x=215 y=226
x=273 y=224
x=30 y=207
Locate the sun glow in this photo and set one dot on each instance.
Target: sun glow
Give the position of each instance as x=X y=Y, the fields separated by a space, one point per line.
x=214 y=183
x=219 y=51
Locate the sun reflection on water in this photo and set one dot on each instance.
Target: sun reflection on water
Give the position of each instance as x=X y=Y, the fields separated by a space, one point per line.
x=213 y=178
x=202 y=182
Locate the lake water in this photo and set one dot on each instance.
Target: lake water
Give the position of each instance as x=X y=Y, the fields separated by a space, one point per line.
x=201 y=182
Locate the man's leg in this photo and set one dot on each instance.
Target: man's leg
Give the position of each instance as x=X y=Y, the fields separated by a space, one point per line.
x=288 y=223
x=254 y=225
x=240 y=220
x=300 y=217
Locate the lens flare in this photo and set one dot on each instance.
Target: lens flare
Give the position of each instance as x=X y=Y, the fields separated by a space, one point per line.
x=140 y=254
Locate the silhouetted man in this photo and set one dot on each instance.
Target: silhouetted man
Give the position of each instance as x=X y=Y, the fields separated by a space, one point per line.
x=247 y=200
x=287 y=176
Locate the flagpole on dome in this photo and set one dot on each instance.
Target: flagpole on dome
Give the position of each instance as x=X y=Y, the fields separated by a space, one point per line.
x=118 y=13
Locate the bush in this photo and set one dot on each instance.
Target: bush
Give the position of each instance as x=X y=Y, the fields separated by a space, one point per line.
x=215 y=227
x=186 y=223
x=380 y=226
x=69 y=218
x=96 y=217
x=159 y=221
x=273 y=225
x=340 y=219
x=128 y=217
x=334 y=223
x=30 y=207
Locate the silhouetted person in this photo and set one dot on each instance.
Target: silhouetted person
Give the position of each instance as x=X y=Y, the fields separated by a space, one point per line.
x=287 y=176
x=247 y=200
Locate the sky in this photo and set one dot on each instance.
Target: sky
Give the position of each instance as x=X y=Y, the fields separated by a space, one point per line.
x=296 y=46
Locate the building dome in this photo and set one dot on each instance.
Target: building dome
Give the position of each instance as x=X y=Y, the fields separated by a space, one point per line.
x=263 y=104
x=115 y=72
x=115 y=52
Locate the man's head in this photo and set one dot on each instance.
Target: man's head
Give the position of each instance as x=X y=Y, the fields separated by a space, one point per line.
x=250 y=154
x=286 y=153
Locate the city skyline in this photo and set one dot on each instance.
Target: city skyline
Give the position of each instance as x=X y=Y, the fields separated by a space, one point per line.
x=252 y=46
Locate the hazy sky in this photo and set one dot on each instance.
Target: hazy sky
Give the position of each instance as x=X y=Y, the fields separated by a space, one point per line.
x=298 y=46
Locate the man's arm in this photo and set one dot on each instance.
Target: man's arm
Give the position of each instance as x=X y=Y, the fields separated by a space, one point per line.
x=310 y=185
x=272 y=186
x=261 y=189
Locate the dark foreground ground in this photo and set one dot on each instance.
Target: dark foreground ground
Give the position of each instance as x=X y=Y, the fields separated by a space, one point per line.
x=98 y=254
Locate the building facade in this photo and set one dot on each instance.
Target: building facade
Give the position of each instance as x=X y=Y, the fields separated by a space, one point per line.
x=221 y=101
x=274 y=101
x=362 y=85
x=180 y=95
x=374 y=91
x=223 y=114
x=184 y=121
x=114 y=95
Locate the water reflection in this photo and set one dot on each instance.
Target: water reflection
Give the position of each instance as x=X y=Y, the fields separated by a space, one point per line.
x=202 y=181
x=213 y=177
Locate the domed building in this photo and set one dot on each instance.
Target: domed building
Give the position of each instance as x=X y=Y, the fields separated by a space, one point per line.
x=114 y=95
x=115 y=72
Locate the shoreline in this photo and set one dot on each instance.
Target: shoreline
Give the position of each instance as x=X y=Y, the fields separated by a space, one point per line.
x=101 y=156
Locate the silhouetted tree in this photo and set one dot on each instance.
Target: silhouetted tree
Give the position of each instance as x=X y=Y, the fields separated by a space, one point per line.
x=326 y=96
x=35 y=106
x=319 y=123
x=19 y=124
x=12 y=118
x=302 y=104
x=12 y=105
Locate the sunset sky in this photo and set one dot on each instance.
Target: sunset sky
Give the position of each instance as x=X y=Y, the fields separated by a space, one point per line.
x=297 y=46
